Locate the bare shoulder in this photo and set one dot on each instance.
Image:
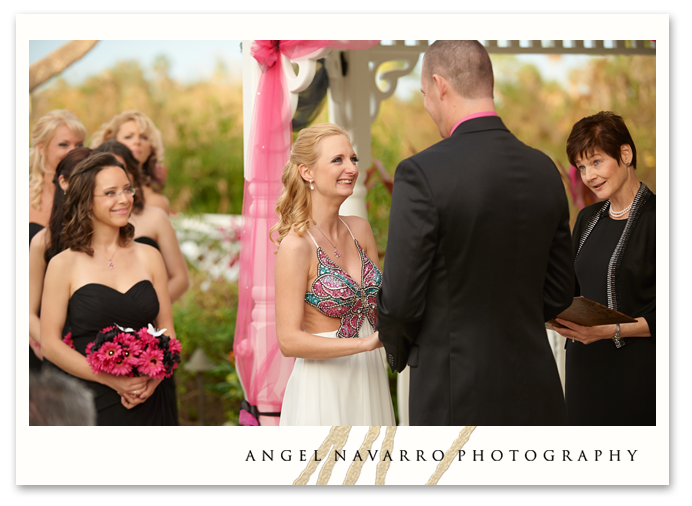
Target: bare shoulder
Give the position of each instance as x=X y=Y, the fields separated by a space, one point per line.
x=360 y=227
x=155 y=213
x=40 y=241
x=295 y=245
x=65 y=261
x=158 y=200
x=145 y=253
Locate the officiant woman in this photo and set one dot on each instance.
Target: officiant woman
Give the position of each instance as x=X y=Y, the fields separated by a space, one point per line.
x=611 y=369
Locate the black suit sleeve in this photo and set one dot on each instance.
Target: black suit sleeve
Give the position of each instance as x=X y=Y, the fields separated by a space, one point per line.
x=558 y=287
x=413 y=234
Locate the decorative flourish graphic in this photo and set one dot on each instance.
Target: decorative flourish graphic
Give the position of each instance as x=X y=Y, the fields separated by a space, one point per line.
x=387 y=446
x=458 y=443
x=337 y=438
x=354 y=471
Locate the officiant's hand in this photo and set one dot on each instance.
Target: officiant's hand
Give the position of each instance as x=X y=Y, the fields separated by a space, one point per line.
x=586 y=335
x=372 y=342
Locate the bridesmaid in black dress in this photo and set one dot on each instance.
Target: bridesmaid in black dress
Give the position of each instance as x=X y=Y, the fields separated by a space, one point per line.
x=48 y=242
x=611 y=369
x=105 y=278
x=153 y=227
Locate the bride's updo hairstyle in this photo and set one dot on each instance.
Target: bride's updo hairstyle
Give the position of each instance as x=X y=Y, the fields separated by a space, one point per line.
x=294 y=204
x=78 y=202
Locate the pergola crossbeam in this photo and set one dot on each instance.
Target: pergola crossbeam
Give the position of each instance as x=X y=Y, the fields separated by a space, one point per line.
x=590 y=47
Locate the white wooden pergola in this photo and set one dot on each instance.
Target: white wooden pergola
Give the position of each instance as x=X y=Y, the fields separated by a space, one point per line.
x=354 y=96
x=354 y=101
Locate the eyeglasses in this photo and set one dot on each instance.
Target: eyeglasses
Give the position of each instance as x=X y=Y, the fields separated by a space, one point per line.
x=112 y=194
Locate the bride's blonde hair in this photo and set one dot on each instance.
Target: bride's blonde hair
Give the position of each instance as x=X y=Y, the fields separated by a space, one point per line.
x=294 y=204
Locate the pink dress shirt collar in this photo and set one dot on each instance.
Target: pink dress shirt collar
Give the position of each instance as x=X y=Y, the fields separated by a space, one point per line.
x=472 y=116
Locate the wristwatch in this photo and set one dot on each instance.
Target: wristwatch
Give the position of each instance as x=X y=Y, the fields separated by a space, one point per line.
x=617 y=338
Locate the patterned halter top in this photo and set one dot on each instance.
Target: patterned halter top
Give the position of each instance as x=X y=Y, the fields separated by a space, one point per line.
x=336 y=294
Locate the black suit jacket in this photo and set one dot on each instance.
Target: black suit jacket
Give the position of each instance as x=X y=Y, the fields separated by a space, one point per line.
x=478 y=258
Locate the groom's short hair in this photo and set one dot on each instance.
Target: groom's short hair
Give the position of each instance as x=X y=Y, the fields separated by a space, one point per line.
x=464 y=63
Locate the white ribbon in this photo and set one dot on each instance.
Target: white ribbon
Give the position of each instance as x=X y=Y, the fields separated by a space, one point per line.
x=156 y=333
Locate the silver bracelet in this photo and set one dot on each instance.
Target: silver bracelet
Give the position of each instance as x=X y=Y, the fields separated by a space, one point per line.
x=617 y=338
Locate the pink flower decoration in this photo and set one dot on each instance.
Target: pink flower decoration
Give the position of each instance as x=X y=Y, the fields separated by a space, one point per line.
x=108 y=355
x=151 y=363
x=109 y=352
x=146 y=339
x=68 y=340
x=122 y=367
x=174 y=346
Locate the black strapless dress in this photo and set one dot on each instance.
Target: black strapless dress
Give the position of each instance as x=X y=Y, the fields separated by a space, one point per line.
x=93 y=307
x=168 y=385
x=34 y=361
x=148 y=241
x=34 y=228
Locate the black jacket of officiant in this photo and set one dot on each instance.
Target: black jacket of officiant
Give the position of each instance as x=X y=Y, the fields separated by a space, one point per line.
x=478 y=258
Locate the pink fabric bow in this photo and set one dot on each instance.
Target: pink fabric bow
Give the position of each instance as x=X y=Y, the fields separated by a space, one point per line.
x=262 y=370
x=247 y=419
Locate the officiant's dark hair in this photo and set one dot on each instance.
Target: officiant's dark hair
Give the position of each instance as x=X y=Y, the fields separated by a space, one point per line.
x=606 y=132
x=464 y=63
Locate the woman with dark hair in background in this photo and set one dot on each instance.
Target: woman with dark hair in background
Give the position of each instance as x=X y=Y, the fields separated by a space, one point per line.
x=45 y=245
x=101 y=278
x=611 y=369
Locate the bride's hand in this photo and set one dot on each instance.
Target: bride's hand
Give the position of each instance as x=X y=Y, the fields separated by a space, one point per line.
x=372 y=342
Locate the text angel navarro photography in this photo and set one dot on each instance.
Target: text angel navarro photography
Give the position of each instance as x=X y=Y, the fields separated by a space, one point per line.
x=548 y=455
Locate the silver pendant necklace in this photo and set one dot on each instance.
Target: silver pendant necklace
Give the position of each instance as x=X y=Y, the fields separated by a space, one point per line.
x=336 y=253
x=111 y=265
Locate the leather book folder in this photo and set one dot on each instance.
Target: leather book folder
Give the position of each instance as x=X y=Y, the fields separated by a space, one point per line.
x=588 y=313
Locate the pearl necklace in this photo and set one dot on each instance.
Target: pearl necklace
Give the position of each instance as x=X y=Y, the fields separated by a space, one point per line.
x=619 y=214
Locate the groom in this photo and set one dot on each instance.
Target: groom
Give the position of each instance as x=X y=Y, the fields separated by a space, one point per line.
x=478 y=258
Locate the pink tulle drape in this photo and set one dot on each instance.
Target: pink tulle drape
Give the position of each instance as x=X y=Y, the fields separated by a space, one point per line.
x=261 y=367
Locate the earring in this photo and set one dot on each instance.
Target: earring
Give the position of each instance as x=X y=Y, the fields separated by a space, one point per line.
x=627 y=164
x=64 y=192
x=311 y=186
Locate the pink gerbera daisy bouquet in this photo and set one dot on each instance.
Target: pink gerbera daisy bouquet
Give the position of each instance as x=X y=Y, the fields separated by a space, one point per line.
x=126 y=352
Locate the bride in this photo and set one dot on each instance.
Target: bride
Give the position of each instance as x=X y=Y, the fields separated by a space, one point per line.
x=327 y=277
